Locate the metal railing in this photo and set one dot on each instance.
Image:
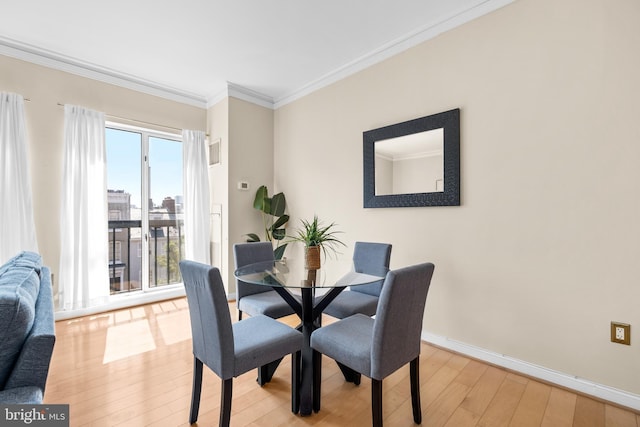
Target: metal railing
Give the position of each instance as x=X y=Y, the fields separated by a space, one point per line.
x=166 y=249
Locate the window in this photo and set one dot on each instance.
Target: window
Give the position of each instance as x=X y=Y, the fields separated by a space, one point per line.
x=115 y=251
x=144 y=178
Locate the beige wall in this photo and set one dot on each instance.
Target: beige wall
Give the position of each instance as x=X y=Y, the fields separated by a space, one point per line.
x=543 y=253
x=46 y=88
x=247 y=156
x=218 y=127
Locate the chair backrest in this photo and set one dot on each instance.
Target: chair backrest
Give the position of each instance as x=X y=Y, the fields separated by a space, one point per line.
x=211 y=329
x=249 y=253
x=398 y=322
x=371 y=258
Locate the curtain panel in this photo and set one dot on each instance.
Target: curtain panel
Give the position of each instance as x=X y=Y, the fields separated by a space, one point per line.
x=17 y=226
x=84 y=259
x=197 y=223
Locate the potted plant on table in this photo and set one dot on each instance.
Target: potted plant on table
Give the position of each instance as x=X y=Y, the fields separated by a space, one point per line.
x=316 y=238
x=273 y=218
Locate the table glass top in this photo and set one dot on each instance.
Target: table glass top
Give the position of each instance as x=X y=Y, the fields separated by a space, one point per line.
x=277 y=273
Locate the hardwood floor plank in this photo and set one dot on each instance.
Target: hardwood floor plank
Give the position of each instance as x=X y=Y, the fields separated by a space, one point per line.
x=437 y=384
x=482 y=393
x=441 y=410
x=431 y=365
x=458 y=362
x=617 y=417
x=589 y=413
x=463 y=418
x=133 y=367
x=530 y=410
x=502 y=407
x=560 y=409
x=471 y=373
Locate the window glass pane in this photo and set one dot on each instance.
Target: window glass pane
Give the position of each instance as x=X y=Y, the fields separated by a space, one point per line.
x=165 y=211
x=124 y=194
x=124 y=177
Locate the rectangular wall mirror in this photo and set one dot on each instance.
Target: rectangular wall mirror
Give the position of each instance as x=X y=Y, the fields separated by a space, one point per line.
x=413 y=163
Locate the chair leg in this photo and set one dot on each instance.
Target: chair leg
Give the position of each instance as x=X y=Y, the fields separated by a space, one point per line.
x=414 y=373
x=317 y=379
x=195 y=391
x=376 y=402
x=295 y=382
x=349 y=374
x=239 y=315
x=265 y=372
x=225 y=402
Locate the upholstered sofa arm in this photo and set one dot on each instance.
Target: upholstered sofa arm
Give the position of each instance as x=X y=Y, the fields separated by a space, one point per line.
x=21 y=395
x=32 y=366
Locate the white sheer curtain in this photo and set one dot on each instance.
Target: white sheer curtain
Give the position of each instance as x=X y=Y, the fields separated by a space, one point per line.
x=84 y=275
x=17 y=228
x=196 y=196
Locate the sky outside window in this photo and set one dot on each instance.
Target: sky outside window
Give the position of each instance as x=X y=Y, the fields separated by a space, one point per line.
x=124 y=152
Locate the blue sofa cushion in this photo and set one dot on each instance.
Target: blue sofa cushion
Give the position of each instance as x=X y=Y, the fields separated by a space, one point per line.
x=23 y=259
x=19 y=288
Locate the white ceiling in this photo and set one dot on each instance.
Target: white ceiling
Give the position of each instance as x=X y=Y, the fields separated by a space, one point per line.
x=273 y=49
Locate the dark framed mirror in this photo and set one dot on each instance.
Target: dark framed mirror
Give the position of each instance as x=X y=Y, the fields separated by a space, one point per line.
x=413 y=163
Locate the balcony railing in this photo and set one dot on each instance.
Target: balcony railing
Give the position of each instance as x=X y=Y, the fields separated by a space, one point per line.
x=166 y=249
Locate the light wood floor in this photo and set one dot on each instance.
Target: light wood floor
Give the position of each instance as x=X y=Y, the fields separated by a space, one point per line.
x=133 y=367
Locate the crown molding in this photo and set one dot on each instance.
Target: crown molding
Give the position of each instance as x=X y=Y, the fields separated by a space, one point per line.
x=36 y=55
x=30 y=53
x=249 y=95
x=241 y=92
x=394 y=47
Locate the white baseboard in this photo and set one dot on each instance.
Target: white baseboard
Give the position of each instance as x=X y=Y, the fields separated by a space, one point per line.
x=124 y=301
x=610 y=394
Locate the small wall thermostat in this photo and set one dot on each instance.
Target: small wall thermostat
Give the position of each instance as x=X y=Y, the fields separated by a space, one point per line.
x=243 y=185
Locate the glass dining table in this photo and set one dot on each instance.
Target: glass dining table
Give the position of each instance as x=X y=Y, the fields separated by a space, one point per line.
x=315 y=294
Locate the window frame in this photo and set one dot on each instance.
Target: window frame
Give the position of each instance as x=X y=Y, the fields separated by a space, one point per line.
x=144 y=245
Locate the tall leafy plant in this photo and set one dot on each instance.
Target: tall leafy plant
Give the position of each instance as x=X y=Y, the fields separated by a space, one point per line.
x=273 y=219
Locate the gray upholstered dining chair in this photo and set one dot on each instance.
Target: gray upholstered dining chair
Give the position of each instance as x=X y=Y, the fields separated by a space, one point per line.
x=378 y=347
x=229 y=349
x=256 y=299
x=369 y=258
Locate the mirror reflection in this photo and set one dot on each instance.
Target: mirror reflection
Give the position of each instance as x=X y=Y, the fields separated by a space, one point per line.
x=410 y=163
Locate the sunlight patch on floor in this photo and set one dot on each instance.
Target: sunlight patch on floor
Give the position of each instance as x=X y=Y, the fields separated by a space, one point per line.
x=174 y=327
x=128 y=339
x=129 y=314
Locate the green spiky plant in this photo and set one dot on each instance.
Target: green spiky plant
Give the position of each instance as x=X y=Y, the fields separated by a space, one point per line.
x=274 y=219
x=313 y=233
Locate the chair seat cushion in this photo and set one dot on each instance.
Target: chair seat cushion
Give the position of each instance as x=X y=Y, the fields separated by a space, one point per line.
x=347 y=341
x=19 y=288
x=268 y=303
x=259 y=340
x=350 y=302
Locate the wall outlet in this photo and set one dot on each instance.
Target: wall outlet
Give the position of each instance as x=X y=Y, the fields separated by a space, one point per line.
x=621 y=333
